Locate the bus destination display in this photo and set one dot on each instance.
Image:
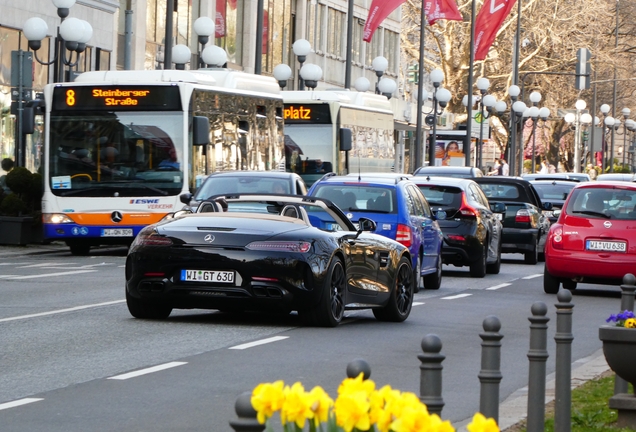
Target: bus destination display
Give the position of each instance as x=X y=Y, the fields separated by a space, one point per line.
x=118 y=98
x=307 y=113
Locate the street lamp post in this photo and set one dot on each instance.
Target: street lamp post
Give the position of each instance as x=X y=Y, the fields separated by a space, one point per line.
x=441 y=96
x=513 y=92
x=516 y=114
x=282 y=73
x=301 y=49
x=537 y=114
x=203 y=27
x=625 y=112
x=486 y=101
x=311 y=74
x=379 y=65
x=72 y=34
x=387 y=87
x=605 y=109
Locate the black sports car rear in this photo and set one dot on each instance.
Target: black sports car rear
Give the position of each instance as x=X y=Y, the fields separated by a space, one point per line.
x=265 y=253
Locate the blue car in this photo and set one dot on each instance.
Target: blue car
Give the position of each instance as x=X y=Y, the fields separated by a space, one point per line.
x=400 y=212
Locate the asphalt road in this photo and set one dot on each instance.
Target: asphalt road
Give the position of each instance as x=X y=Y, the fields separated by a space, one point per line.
x=73 y=359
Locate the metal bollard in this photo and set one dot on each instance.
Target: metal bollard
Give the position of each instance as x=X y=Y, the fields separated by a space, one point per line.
x=356 y=366
x=490 y=373
x=431 y=374
x=627 y=303
x=563 y=381
x=538 y=355
x=246 y=415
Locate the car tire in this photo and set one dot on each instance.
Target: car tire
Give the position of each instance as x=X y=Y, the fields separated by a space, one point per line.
x=146 y=310
x=330 y=309
x=79 y=248
x=434 y=280
x=478 y=268
x=417 y=274
x=532 y=257
x=569 y=285
x=401 y=300
x=495 y=267
x=550 y=283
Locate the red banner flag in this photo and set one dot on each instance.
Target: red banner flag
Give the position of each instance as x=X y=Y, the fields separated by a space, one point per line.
x=487 y=24
x=220 y=19
x=380 y=9
x=441 y=9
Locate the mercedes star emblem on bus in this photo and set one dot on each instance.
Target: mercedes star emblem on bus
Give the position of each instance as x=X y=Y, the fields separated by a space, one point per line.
x=116 y=216
x=209 y=238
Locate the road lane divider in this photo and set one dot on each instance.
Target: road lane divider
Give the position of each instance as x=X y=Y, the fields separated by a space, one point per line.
x=532 y=276
x=73 y=309
x=496 y=287
x=458 y=296
x=45 y=264
x=259 y=342
x=19 y=402
x=418 y=303
x=146 y=371
x=50 y=274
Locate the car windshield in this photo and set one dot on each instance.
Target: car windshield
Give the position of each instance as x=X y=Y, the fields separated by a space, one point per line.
x=444 y=197
x=358 y=197
x=604 y=203
x=500 y=191
x=553 y=191
x=226 y=184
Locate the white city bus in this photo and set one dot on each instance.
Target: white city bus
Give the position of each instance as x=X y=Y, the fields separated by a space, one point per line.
x=121 y=146
x=337 y=131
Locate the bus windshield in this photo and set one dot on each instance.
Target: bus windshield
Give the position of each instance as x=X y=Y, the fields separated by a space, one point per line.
x=110 y=153
x=309 y=150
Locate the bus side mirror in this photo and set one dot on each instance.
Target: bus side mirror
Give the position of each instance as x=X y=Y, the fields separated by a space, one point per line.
x=345 y=139
x=200 y=131
x=28 y=120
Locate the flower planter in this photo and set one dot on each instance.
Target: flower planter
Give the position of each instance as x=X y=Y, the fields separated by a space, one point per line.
x=619 y=347
x=15 y=230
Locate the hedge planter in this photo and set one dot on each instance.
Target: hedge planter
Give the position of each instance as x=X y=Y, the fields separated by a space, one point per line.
x=619 y=347
x=16 y=230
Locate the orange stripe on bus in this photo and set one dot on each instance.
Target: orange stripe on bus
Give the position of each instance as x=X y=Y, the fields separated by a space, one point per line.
x=105 y=218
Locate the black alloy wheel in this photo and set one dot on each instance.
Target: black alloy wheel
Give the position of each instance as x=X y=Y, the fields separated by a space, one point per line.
x=532 y=257
x=417 y=272
x=330 y=309
x=146 y=310
x=495 y=267
x=478 y=267
x=401 y=301
x=434 y=280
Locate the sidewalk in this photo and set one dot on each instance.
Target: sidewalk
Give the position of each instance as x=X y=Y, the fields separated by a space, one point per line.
x=515 y=407
x=32 y=249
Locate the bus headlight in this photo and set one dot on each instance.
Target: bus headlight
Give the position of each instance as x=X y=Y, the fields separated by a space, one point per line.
x=56 y=218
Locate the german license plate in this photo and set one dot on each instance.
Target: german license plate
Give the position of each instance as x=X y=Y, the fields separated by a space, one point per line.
x=224 y=277
x=117 y=232
x=608 y=246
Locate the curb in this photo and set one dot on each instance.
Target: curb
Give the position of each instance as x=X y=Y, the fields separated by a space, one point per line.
x=31 y=249
x=514 y=408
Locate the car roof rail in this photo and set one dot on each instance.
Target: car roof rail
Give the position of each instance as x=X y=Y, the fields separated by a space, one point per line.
x=329 y=174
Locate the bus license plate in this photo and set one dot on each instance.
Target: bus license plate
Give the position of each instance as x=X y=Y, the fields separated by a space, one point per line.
x=117 y=232
x=225 y=277
x=608 y=246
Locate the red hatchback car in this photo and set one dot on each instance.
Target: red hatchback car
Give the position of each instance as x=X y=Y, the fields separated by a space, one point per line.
x=594 y=239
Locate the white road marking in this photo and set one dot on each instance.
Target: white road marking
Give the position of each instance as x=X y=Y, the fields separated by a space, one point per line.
x=533 y=276
x=496 y=287
x=259 y=342
x=51 y=274
x=47 y=264
x=73 y=309
x=86 y=266
x=147 y=371
x=456 y=297
x=418 y=303
x=18 y=402
x=11 y=264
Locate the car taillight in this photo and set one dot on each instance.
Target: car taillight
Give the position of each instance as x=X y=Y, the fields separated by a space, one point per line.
x=523 y=216
x=466 y=209
x=556 y=237
x=150 y=237
x=281 y=246
x=404 y=235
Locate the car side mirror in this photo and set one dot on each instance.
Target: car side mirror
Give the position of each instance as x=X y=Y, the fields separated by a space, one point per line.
x=547 y=206
x=497 y=207
x=366 y=224
x=185 y=198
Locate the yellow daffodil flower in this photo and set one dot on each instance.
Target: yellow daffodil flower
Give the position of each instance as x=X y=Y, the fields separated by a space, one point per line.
x=482 y=424
x=321 y=403
x=352 y=411
x=267 y=398
x=630 y=323
x=296 y=407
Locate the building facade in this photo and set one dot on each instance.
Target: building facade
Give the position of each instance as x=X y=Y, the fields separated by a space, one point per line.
x=136 y=30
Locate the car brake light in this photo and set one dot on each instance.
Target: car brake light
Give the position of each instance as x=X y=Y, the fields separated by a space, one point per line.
x=151 y=238
x=523 y=216
x=404 y=235
x=466 y=209
x=280 y=246
x=556 y=236
x=457 y=238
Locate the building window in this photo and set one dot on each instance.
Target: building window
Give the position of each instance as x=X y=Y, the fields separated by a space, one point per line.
x=373 y=48
x=315 y=25
x=336 y=29
x=391 y=49
x=229 y=28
